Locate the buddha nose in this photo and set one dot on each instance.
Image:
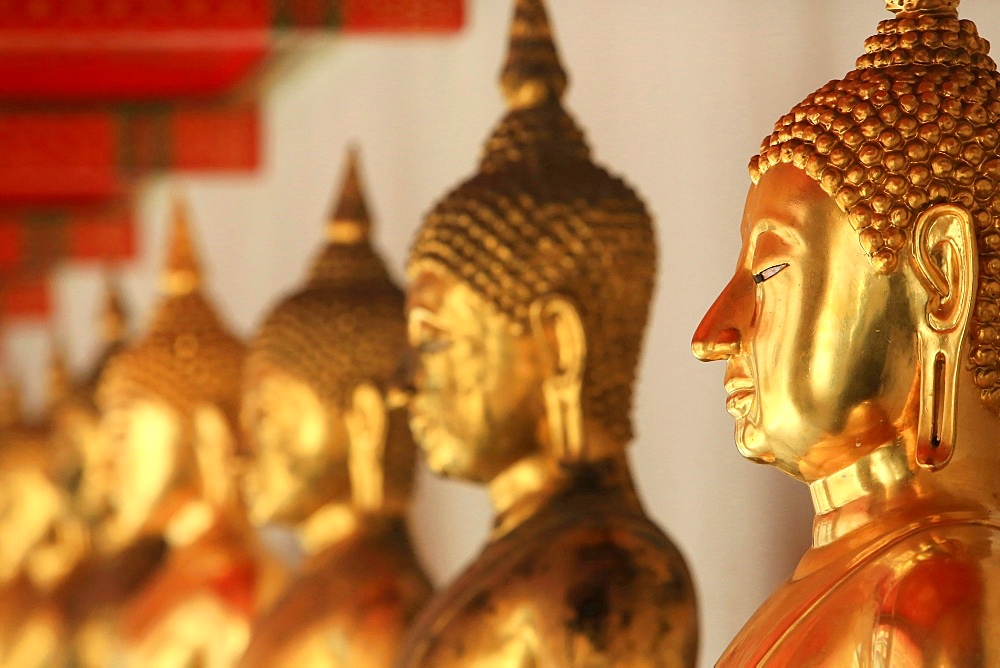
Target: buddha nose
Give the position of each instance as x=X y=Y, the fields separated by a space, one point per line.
x=715 y=348
x=717 y=336
x=401 y=386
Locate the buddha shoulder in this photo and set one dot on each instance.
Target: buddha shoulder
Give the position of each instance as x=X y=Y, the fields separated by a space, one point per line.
x=568 y=589
x=917 y=600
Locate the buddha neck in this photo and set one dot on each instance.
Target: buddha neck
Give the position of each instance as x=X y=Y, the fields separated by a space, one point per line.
x=519 y=490
x=853 y=496
x=523 y=488
x=887 y=487
x=191 y=521
x=331 y=524
x=180 y=518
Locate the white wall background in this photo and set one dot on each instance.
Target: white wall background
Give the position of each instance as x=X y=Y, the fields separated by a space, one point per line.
x=675 y=95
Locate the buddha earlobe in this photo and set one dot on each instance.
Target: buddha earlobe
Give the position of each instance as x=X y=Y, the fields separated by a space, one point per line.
x=945 y=262
x=215 y=453
x=367 y=422
x=556 y=325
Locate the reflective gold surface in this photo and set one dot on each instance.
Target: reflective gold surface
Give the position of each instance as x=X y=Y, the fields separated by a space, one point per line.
x=868 y=370
x=169 y=406
x=75 y=422
x=331 y=460
x=40 y=543
x=530 y=288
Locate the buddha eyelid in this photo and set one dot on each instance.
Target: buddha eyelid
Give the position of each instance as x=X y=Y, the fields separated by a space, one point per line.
x=769 y=273
x=434 y=346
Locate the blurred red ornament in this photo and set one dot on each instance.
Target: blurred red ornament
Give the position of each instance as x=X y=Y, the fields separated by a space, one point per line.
x=96 y=93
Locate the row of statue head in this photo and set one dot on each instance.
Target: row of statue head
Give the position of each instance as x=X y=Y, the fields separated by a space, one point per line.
x=52 y=493
x=860 y=344
x=530 y=289
x=146 y=455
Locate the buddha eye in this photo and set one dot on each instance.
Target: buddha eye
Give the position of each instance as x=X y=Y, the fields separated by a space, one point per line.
x=769 y=273
x=433 y=346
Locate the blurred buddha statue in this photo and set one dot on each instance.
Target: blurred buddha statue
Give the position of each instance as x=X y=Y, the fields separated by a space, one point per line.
x=40 y=543
x=860 y=334
x=530 y=289
x=75 y=419
x=106 y=576
x=169 y=407
x=332 y=458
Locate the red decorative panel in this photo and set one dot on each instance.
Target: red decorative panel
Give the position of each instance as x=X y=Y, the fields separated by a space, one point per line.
x=129 y=49
x=95 y=93
x=218 y=139
x=11 y=243
x=402 y=15
x=50 y=156
x=23 y=297
x=103 y=235
x=44 y=239
x=307 y=14
x=33 y=240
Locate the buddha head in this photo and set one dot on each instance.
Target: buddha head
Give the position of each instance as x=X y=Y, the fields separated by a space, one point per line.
x=169 y=402
x=315 y=410
x=529 y=290
x=75 y=419
x=28 y=499
x=864 y=304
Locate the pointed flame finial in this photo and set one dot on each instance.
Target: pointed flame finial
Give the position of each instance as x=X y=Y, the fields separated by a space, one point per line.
x=60 y=382
x=532 y=74
x=350 y=223
x=10 y=401
x=113 y=314
x=912 y=8
x=182 y=273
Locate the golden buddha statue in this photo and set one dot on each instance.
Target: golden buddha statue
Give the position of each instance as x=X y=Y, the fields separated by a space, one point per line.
x=40 y=543
x=860 y=338
x=170 y=408
x=107 y=574
x=332 y=458
x=75 y=419
x=530 y=290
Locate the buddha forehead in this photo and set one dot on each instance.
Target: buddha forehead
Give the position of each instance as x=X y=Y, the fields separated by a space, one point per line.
x=441 y=300
x=786 y=198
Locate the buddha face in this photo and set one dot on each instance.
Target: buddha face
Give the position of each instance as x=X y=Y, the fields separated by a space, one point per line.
x=299 y=448
x=80 y=436
x=29 y=501
x=144 y=437
x=819 y=348
x=478 y=406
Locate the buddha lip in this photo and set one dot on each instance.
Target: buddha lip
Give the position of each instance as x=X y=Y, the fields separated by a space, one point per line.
x=741 y=393
x=738 y=384
x=739 y=401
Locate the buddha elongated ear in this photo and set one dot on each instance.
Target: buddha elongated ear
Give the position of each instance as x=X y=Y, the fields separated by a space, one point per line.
x=558 y=328
x=367 y=420
x=215 y=451
x=946 y=263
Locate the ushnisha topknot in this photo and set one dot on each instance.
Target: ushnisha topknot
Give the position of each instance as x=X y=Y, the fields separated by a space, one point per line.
x=187 y=357
x=914 y=125
x=541 y=218
x=113 y=319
